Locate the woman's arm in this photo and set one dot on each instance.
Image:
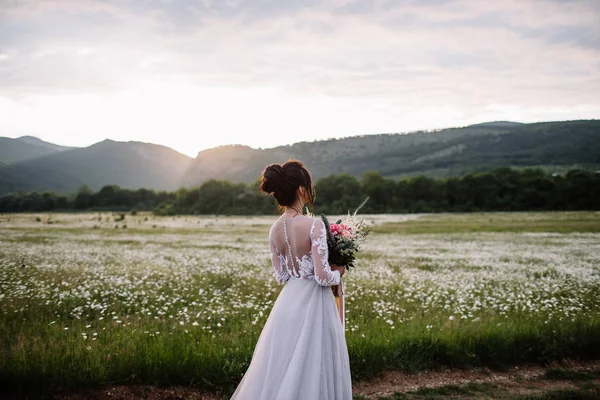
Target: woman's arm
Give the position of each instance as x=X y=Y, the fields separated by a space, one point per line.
x=320 y=254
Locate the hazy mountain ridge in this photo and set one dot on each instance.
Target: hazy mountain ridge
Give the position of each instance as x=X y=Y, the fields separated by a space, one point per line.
x=323 y=157
x=127 y=164
x=26 y=148
x=39 y=142
x=448 y=152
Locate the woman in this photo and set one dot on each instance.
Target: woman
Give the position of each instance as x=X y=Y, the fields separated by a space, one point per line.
x=301 y=353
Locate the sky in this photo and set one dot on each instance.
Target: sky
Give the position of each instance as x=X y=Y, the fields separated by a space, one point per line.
x=195 y=74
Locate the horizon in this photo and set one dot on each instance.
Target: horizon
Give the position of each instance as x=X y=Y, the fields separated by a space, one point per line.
x=286 y=144
x=193 y=76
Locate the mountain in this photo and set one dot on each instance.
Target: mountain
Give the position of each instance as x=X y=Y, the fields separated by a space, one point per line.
x=26 y=148
x=39 y=142
x=353 y=155
x=448 y=152
x=127 y=164
x=443 y=153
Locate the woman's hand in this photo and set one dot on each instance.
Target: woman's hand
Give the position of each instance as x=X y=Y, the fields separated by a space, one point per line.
x=342 y=269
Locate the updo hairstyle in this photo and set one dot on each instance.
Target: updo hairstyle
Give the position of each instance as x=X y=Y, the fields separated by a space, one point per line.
x=283 y=181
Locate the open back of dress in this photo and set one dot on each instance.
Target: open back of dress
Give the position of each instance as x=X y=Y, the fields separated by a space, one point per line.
x=299 y=248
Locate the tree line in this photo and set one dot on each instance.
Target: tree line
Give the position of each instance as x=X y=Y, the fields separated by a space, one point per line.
x=502 y=189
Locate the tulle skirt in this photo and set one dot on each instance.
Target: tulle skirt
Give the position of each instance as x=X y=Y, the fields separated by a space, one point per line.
x=301 y=353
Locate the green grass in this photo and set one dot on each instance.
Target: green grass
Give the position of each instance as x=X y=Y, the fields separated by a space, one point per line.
x=406 y=306
x=488 y=222
x=38 y=355
x=485 y=344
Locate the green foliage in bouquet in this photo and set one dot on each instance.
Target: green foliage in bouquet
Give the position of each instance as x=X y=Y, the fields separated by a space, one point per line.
x=335 y=257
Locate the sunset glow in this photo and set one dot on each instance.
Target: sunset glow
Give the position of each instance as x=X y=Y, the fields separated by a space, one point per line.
x=194 y=75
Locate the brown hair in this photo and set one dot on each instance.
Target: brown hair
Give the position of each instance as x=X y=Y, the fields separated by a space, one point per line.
x=283 y=181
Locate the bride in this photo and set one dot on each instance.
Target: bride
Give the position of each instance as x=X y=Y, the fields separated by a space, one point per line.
x=301 y=353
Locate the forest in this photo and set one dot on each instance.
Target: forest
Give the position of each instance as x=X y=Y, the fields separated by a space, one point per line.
x=502 y=189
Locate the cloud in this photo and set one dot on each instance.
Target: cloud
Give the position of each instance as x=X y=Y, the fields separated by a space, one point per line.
x=466 y=55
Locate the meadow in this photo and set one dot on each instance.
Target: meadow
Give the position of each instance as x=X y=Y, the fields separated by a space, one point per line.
x=102 y=299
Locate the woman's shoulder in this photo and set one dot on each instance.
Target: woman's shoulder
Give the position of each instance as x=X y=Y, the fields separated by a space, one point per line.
x=312 y=221
x=274 y=226
x=316 y=221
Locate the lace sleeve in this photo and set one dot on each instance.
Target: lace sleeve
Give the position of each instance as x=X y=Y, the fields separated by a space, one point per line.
x=323 y=273
x=280 y=273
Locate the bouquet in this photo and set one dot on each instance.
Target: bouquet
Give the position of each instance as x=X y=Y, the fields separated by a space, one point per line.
x=344 y=239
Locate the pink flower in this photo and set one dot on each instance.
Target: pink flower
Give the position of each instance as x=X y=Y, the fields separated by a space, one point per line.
x=341 y=230
x=336 y=229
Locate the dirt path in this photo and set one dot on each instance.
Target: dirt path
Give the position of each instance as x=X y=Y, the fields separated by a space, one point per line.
x=516 y=380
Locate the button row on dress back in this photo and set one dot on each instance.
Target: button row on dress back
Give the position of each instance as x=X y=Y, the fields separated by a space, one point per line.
x=288 y=243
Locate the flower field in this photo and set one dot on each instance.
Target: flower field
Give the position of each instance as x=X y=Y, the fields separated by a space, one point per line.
x=96 y=298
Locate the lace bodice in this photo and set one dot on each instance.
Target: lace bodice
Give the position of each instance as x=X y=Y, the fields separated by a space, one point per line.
x=298 y=248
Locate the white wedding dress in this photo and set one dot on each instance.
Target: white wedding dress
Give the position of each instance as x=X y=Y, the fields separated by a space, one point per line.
x=301 y=353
